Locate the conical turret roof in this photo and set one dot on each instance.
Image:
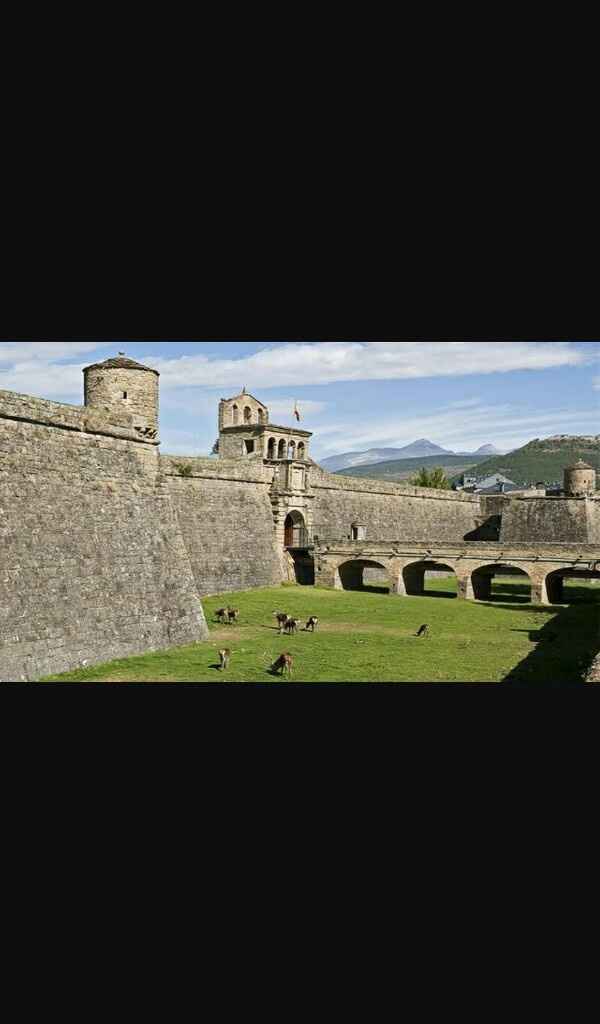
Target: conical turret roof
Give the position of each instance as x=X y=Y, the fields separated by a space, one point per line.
x=120 y=363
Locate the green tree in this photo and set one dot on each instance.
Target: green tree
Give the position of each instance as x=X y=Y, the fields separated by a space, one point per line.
x=431 y=478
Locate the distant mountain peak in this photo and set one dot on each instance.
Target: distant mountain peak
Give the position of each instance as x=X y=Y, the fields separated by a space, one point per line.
x=417 y=449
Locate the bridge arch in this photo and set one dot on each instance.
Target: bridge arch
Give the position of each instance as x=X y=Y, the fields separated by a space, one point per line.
x=554 y=583
x=351 y=574
x=414 y=577
x=483 y=576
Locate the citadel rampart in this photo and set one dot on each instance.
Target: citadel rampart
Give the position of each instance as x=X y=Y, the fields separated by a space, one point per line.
x=106 y=547
x=576 y=520
x=224 y=514
x=389 y=510
x=92 y=562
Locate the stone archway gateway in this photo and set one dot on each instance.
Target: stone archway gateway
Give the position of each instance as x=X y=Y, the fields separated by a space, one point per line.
x=294 y=530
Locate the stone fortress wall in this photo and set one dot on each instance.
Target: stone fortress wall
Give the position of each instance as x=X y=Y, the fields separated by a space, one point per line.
x=389 y=510
x=107 y=547
x=224 y=513
x=92 y=561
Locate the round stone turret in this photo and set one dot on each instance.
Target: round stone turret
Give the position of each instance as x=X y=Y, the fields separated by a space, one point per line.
x=579 y=479
x=123 y=384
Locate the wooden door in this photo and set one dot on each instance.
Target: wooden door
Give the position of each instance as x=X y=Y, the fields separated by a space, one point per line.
x=288 y=532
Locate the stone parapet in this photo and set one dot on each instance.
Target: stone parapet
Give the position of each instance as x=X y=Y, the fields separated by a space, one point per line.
x=109 y=422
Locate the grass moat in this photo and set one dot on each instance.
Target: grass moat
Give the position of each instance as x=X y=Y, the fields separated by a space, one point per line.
x=368 y=636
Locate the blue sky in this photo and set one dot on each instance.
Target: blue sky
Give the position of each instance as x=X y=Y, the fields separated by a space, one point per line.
x=354 y=395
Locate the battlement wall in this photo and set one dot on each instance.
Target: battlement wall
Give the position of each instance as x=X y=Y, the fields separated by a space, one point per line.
x=92 y=562
x=108 y=421
x=389 y=510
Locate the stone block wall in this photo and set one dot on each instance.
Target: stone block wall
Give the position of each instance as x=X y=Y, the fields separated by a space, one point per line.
x=225 y=516
x=549 y=520
x=390 y=511
x=92 y=563
x=232 y=444
x=109 y=421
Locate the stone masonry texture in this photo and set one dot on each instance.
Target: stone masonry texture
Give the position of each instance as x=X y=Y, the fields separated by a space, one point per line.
x=92 y=563
x=106 y=546
x=389 y=511
x=225 y=518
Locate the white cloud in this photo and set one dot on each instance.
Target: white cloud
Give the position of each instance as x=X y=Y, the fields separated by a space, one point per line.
x=465 y=403
x=46 y=351
x=46 y=380
x=461 y=430
x=327 y=362
x=596 y=383
x=34 y=367
x=38 y=367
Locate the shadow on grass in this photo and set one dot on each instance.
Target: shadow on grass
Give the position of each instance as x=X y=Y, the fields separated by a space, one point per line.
x=580 y=595
x=536 y=635
x=438 y=593
x=565 y=647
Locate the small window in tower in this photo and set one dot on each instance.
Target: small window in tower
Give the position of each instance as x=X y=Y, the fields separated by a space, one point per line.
x=124 y=394
x=249 y=446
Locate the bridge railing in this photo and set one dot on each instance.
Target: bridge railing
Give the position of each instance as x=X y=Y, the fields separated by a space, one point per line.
x=301 y=538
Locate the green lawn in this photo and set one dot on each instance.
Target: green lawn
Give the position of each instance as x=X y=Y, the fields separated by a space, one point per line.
x=368 y=636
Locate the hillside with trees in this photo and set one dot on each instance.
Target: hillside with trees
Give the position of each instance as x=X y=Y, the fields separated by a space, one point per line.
x=542 y=459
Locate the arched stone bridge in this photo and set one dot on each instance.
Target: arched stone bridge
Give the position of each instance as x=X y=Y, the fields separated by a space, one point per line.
x=341 y=565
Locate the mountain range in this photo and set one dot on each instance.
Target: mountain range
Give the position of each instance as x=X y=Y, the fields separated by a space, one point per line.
x=540 y=459
x=416 y=450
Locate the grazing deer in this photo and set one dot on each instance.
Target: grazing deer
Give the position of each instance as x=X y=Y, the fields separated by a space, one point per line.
x=291 y=625
x=423 y=630
x=312 y=622
x=233 y=614
x=224 y=656
x=221 y=614
x=282 y=618
x=284 y=662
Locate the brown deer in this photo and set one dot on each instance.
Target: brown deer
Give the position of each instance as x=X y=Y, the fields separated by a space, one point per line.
x=224 y=657
x=282 y=618
x=423 y=630
x=221 y=614
x=283 y=662
x=233 y=614
x=312 y=622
